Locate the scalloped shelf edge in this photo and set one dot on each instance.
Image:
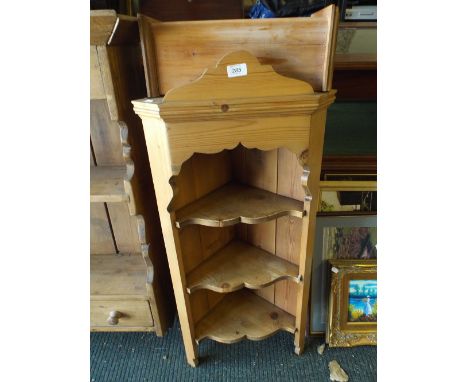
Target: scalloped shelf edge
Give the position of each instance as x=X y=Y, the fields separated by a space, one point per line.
x=240 y=265
x=245 y=336
x=237 y=220
x=193 y=289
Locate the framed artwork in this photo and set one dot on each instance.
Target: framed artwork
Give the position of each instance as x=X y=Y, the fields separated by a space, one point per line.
x=337 y=237
x=346 y=196
x=352 y=312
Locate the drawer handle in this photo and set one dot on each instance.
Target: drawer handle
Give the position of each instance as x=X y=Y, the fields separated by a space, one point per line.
x=114 y=317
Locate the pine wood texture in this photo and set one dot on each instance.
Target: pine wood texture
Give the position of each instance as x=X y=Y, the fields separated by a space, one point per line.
x=262 y=78
x=243 y=314
x=240 y=265
x=126 y=244
x=101 y=238
x=258 y=168
x=102 y=24
x=205 y=141
x=288 y=230
x=122 y=274
x=234 y=203
x=107 y=184
x=254 y=122
x=135 y=315
x=295 y=47
x=97 y=87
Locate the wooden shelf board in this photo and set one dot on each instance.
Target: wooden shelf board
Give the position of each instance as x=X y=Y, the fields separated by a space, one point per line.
x=240 y=315
x=240 y=265
x=107 y=184
x=118 y=275
x=236 y=203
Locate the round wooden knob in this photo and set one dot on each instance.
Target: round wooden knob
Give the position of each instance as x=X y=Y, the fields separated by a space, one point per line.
x=114 y=317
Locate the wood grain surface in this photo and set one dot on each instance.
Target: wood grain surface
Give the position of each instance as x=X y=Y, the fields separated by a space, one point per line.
x=243 y=314
x=199 y=147
x=296 y=47
x=134 y=314
x=116 y=226
x=240 y=265
x=123 y=274
x=107 y=184
x=234 y=203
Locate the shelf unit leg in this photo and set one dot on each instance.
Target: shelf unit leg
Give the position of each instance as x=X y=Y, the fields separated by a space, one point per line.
x=311 y=183
x=161 y=169
x=193 y=362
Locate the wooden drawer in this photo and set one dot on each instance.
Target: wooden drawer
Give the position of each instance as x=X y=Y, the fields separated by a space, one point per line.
x=130 y=314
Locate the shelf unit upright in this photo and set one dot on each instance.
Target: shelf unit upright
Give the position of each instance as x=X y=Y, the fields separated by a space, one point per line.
x=236 y=162
x=129 y=283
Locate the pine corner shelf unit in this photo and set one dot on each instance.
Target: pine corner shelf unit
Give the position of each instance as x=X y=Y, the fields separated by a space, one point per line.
x=236 y=164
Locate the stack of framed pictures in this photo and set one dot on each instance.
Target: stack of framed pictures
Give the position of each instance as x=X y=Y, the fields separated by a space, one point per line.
x=346 y=231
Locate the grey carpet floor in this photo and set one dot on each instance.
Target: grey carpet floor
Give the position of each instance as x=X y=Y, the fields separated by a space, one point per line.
x=144 y=357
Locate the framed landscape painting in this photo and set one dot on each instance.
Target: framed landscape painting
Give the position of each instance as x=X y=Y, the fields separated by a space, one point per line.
x=352 y=316
x=362 y=301
x=337 y=237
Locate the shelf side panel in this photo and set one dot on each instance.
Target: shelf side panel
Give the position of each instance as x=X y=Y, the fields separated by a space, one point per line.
x=288 y=230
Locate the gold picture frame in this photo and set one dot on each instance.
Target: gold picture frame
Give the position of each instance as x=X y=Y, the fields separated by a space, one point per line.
x=331 y=190
x=341 y=331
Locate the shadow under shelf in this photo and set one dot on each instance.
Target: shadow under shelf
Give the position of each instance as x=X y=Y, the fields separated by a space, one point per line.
x=237 y=203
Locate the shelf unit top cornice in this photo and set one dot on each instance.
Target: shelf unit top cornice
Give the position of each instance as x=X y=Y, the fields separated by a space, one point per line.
x=253 y=107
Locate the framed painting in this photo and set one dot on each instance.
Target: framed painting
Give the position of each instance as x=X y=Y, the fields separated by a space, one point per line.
x=340 y=197
x=337 y=237
x=352 y=312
